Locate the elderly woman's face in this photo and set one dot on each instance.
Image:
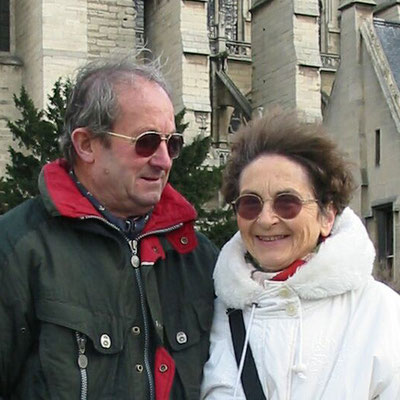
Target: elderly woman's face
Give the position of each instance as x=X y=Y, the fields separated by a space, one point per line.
x=273 y=241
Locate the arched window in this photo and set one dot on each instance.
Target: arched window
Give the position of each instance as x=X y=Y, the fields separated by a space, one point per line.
x=5 y=25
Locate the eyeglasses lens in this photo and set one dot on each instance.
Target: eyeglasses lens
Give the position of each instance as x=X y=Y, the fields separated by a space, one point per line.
x=287 y=206
x=174 y=145
x=249 y=206
x=147 y=144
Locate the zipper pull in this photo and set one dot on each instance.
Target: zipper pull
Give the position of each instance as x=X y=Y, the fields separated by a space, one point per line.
x=135 y=261
x=82 y=359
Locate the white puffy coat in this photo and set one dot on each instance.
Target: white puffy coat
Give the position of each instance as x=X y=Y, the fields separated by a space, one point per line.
x=329 y=332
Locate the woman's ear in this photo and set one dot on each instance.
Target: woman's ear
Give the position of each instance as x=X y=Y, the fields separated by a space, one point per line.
x=82 y=141
x=327 y=219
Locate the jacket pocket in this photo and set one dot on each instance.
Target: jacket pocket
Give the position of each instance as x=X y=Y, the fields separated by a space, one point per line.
x=59 y=351
x=187 y=332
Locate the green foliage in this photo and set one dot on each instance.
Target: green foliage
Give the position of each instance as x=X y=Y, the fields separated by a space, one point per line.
x=36 y=135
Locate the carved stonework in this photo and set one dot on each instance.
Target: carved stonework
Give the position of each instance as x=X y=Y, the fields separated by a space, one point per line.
x=139 y=27
x=330 y=61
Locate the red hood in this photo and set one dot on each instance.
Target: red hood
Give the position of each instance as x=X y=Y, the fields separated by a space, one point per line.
x=60 y=191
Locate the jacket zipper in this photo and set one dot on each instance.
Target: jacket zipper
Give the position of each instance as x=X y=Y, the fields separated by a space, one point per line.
x=135 y=262
x=82 y=363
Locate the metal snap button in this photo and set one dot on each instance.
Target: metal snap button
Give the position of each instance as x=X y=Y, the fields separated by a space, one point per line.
x=184 y=240
x=136 y=330
x=291 y=310
x=163 y=368
x=181 y=337
x=105 y=341
x=284 y=292
x=139 y=368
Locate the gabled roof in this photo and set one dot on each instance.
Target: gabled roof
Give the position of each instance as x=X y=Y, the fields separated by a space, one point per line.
x=389 y=36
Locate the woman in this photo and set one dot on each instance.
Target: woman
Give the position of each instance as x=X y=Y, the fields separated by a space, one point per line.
x=316 y=324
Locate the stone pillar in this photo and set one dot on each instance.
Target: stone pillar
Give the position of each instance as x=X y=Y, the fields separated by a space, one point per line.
x=177 y=32
x=286 y=58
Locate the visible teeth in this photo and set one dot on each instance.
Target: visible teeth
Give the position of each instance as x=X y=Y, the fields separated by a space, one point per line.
x=271 y=238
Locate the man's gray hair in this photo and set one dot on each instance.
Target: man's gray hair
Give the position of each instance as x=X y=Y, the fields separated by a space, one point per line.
x=93 y=101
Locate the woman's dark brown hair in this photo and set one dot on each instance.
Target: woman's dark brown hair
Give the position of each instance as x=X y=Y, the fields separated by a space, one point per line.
x=283 y=133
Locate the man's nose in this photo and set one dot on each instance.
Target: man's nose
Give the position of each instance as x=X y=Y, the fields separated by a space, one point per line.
x=161 y=158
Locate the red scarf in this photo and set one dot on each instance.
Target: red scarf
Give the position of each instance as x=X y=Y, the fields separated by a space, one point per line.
x=289 y=271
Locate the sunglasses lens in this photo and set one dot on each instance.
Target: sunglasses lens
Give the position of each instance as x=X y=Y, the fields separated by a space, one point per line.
x=287 y=206
x=147 y=144
x=248 y=206
x=175 y=144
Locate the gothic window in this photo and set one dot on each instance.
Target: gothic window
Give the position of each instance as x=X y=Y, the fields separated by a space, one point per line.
x=230 y=9
x=5 y=25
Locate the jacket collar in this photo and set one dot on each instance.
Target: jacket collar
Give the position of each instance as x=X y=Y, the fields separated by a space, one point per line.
x=343 y=263
x=62 y=198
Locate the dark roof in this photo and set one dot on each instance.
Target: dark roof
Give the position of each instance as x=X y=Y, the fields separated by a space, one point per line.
x=389 y=35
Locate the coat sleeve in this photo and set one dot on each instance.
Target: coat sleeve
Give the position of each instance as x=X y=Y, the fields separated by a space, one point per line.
x=16 y=311
x=220 y=371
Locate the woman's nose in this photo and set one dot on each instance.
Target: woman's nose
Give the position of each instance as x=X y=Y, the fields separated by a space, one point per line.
x=267 y=216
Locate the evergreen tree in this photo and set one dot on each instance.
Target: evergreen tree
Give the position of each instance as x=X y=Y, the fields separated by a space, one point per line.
x=200 y=184
x=37 y=135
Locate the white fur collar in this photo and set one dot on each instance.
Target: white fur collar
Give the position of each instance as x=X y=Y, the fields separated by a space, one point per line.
x=344 y=262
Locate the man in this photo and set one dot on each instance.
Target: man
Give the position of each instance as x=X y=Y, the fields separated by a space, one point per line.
x=106 y=289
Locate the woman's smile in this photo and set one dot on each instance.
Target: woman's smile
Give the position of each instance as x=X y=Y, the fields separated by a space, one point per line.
x=273 y=241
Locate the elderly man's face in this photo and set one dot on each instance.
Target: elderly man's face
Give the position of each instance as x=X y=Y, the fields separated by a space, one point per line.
x=128 y=183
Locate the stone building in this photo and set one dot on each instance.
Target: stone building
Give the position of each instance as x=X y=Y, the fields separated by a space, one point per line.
x=363 y=114
x=227 y=60
x=206 y=46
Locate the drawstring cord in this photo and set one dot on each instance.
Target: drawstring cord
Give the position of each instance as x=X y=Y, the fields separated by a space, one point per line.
x=245 y=345
x=300 y=368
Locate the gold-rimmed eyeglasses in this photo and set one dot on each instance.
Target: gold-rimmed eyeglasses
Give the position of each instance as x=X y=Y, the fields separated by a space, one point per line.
x=147 y=143
x=286 y=205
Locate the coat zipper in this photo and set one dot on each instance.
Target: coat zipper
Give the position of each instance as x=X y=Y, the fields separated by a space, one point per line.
x=82 y=363
x=135 y=262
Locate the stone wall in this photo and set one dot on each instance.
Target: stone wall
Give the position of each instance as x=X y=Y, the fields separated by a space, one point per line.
x=240 y=72
x=110 y=27
x=285 y=48
x=10 y=83
x=177 y=31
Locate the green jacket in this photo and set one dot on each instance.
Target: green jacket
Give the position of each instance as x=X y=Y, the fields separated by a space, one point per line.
x=86 y=313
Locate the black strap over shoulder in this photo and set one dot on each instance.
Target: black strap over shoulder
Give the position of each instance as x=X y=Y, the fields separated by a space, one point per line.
x=250 y=380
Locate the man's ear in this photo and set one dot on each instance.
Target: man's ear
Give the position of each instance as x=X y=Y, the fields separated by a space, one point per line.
x=83 y=144
x=327 y=220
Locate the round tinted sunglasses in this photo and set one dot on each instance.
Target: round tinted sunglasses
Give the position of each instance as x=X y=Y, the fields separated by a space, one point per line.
x=147 y=143
x=285 y=205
